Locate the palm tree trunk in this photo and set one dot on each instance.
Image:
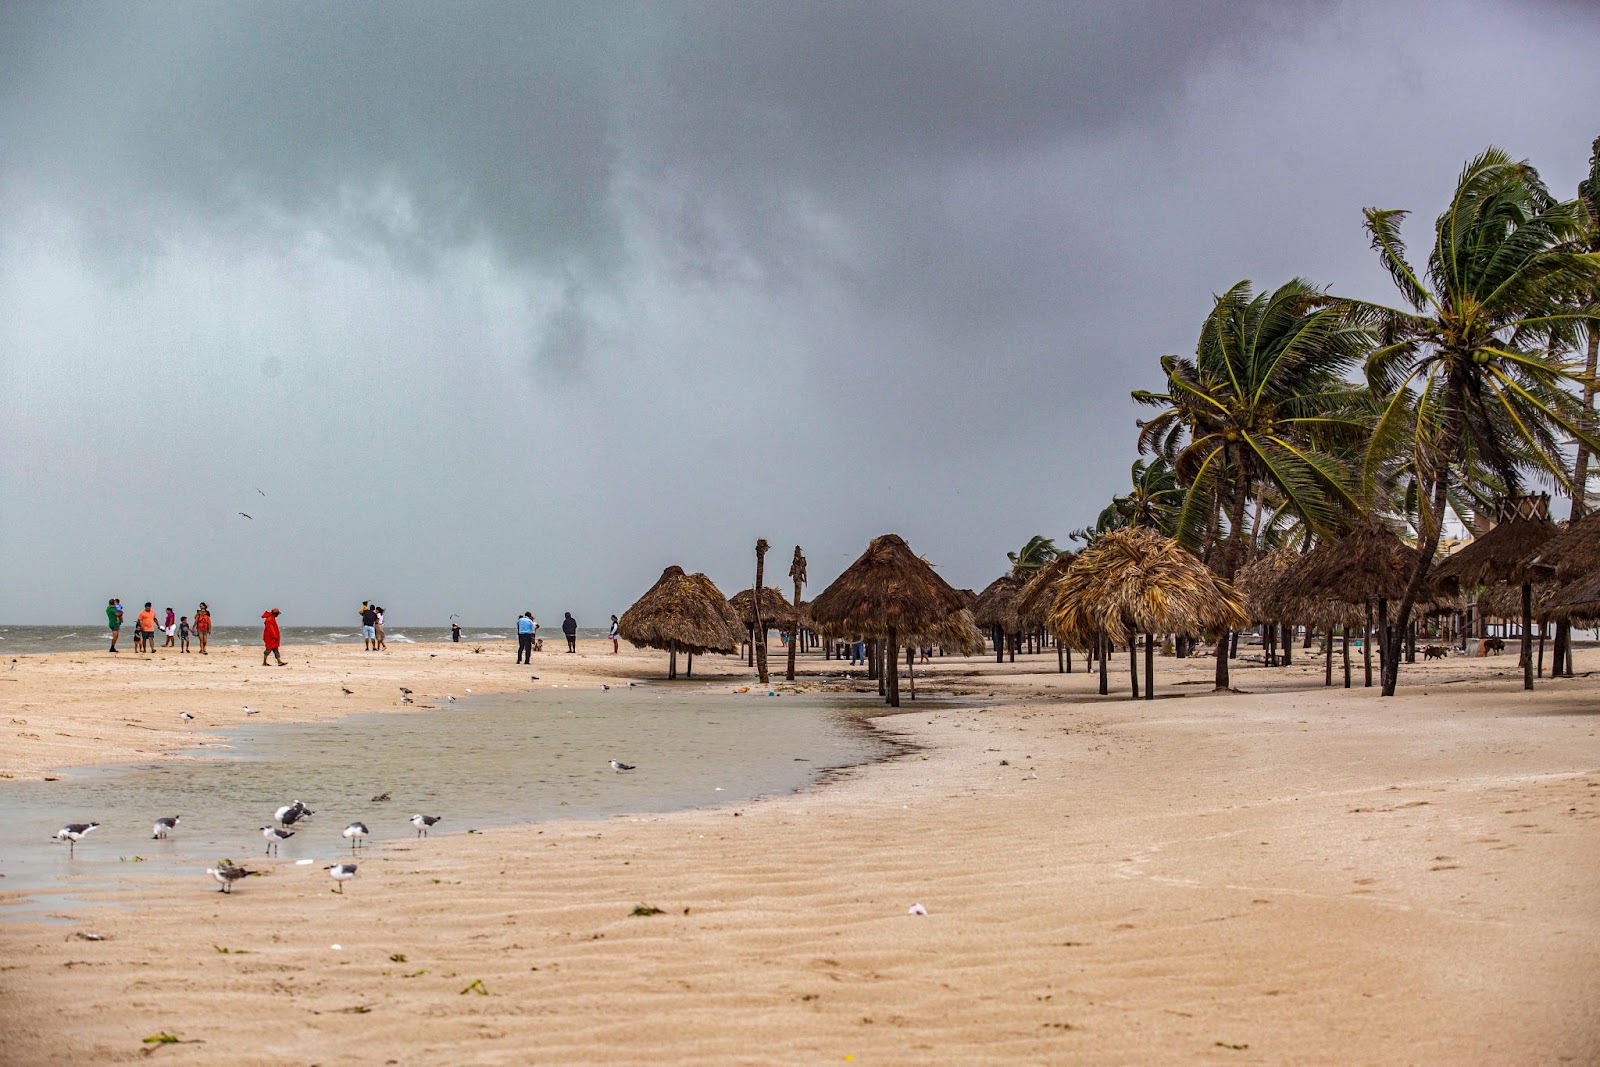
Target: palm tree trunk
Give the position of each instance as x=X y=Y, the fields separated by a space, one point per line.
x=688 y=670
x=1149 y=665
x=1061 y=662
x=1580 y=464
x=1288 y=645
x=672 y=664
x=1133 y=662
x=1527 y=635
x=1366 y=645
x=761 y=630
x=999 y=643
x=1386 y=648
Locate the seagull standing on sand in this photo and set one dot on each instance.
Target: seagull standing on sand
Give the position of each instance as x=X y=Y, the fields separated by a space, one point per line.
x=163 y=826
x=354 y=833
x=341 y=873
x=275 y=837
x=227 y=874
x=619 y=766
x=185 y=715
x=290 y=814
x=424 y=823
x=72 y=833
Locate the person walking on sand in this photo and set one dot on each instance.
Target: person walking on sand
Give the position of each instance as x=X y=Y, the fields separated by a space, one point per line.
x=271 y=638
x=171 y=628
x=525 y=637
x=569 y=626
x=114 y=620
x=202 y=625
x=183 y=633
x=377 y=627
x=612 y=636
x=455 y=632
x=369 y=627
x=144 y=629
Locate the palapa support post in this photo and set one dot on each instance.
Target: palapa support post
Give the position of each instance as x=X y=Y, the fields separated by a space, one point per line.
x=688 y=670
x=1288 y=644
x=911 y=671
x=1366 y=646
x=1327 y=669
x=1527 y=635
x=1061 y=660
x=893 y=662
x=672 y=664
x=1149 y=665
x=1133 y=662
x=1344 y=637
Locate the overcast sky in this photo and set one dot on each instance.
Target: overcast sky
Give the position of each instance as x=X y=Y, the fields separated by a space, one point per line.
x=477 y=308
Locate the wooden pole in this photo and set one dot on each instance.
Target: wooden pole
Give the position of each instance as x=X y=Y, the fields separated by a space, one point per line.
x=1344 y=632
x=1527 y=635
x=1133 y=663
x=1149 y=665
x=1101 y=648
x=1366 y=645
x=892 y=661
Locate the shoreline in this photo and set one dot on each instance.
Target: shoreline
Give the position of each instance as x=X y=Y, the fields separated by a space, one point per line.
x=1291 y=874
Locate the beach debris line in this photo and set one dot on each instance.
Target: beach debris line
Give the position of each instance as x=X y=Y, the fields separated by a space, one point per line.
x=227 y=872
x=275 y=837
x=354 y=833
x=164 y=826
x=74 y=832
x=340 y=873
x=424 y=823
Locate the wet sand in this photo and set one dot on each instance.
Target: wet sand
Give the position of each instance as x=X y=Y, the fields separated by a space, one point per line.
x=1286 y=875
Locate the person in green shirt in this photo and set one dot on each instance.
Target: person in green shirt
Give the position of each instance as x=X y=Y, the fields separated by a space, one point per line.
x=114 y=620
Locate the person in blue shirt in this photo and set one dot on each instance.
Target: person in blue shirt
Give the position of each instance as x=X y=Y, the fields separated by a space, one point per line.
x=525 y=637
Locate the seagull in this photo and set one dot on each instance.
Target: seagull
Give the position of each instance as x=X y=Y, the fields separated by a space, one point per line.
x=164 y=825
x=618 y=765
x=248 y=710
x=185 y=715
x=380 y=798
x=73 y=832
x=275 y=837
x=604 y=686
x=346 y=690
x=248 y=516
x=341 y=873
x=293 y=813
x=423 y=823
x=258 y=489
x=227 y=874
x=354 y=833
x=632 y=684
x=404 y=691
x=451 y=698
x=406 y=700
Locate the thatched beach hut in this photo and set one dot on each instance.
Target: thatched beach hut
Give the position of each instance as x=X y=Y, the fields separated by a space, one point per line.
x=682 y=613
x=776 y=613
x=995 y=611
x=1133 y=580
x=889 y=593
x=1035 y=599
x=1503 y=556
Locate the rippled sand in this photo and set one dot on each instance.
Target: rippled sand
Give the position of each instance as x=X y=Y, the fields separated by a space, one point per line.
x=1290 y=875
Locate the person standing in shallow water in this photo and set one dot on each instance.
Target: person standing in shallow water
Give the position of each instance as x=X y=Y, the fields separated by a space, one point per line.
x=271 y=638
x=612 y=636
x=114 y=621
x=569 y=626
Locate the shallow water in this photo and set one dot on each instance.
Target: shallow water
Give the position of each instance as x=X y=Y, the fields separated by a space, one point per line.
x=481 y=762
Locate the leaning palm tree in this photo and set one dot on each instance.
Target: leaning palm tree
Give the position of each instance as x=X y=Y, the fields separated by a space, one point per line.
x=1589 y=198
x=1471 y=377
x=1263 y=402
x=1035 y=554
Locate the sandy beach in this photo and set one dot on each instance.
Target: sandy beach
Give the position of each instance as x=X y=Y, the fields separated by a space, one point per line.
x=1283 y=875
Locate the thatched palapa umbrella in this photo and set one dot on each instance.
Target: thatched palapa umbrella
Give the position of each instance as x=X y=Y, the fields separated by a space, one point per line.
x=775 y=611
x=1135 y=579
x=681 y=613
x=890 y=593
x=1254 y=582
x=1035 y=599
x=1502 y=556
x=995 y=611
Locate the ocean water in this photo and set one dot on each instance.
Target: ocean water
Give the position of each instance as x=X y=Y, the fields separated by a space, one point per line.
x=31 y=640
x=481 y=762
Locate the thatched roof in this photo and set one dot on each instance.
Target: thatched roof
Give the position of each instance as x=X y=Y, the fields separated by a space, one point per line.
x=968 y=597
x=957 y=634
x=1573 y=553
x=682 y=611
x=1257 y=580
x=889 y=587
x=776 y=611
x=1367 y=563
x=1500 y=554
x=1135 y=579
x=1038 y=593
x=996 y=605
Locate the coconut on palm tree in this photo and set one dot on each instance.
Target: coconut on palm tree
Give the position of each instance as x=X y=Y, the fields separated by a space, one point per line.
x=1472 y=378
x=1263 y=402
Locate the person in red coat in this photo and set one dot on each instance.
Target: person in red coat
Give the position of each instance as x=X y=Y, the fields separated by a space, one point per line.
x=270 y=638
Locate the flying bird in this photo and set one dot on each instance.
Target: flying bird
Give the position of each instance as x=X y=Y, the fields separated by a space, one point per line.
x=341 y=873
x=275 y=837
x=618 y=765
x=424 y=823
x=74 y=832
x=227 y=874
x=247 y=515
x=162 y=826
x=258 y=489
x=404 y=691
x=354 y=833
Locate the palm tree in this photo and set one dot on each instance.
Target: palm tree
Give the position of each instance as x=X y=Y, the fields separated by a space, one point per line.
x=760 y=631
x=1035 y=554
x=1589 y=197
x=1471 y=379
x=797 y=571
x=1261 y=405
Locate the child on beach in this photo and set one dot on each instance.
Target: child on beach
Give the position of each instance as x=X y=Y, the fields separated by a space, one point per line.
x=612 y=636
x=183 y=633
x=202 y=625
x=171 y=628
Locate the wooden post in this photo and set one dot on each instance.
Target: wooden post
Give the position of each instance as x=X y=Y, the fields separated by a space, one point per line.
x=1133 y=662
x=911 y=671
x=1527 y=635
x=1366 y=645
x=672 y=664
x=688 y=671
x=1101 y=650
x=892 y=661
x=1344 y=631
x=1149 y=665
x=1327 y=670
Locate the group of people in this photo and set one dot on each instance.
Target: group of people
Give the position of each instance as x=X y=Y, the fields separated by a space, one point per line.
x=528 y=635
x=371 y=627
x=175 y=629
